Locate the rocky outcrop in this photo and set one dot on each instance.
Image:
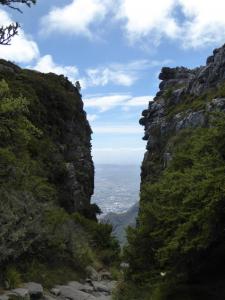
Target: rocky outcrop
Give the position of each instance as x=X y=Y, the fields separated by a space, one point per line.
x=57 y=110
x=184 y=100
x=73 y=290
x=47 y=171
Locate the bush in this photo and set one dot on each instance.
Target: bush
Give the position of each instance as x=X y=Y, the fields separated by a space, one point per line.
x=12 y=278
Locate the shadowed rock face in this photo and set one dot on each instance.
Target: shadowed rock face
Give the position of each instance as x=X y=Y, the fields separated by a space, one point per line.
x=57 y=110
x=49 y=176
x=180 y=104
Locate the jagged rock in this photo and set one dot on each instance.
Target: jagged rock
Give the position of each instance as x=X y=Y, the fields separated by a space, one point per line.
x=92 y=273
x=19 y=293
x=4 y=297
x=55 y=291
x=191 y=120
x=104 y=275
x=216 y=104
x=179 y=85
x=73 y=294
x=101 y=287
x=49 y=297
x=35 y=290
x=87 y=288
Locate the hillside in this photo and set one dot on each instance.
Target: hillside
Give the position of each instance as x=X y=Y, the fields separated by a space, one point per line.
x=49 y=228
x=177 y=249
x=120 y=222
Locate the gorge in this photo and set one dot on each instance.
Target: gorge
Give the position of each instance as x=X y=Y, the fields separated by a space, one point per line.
x=49 y=230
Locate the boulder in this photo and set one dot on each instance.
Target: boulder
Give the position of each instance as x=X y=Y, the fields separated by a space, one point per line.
x=101 y=287
x=4 y=297
x=72 y=293
x=19 y=293
x=35 y=290
x=104 y=275
x=87 y=288
x=92 y=273
x=55 y=291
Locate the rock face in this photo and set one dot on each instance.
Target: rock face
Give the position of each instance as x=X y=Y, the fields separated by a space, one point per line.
x=181 y=103
x=47 y=170
x=57 y=109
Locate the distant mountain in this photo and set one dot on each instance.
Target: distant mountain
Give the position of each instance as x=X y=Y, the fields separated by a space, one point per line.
x=121 y=221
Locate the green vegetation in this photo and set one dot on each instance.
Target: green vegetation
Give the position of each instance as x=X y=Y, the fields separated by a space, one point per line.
x=12 y=278
x=193 y=103
x=177 y=249
x=45 y=235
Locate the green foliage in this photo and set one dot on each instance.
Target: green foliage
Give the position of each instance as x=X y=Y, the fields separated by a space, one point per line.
x=50 y=274
x=182 y=218
x=12 y=278
x=190 y=102
x=101 y=239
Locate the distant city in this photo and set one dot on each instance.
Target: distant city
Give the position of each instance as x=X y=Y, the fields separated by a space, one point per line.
x=116 y=187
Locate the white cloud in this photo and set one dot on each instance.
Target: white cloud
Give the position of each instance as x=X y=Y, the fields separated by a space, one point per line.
x=108 y=102
x=45 y=64
x=75 y=18
x=204 y=22
x=92 y=117
x=139 y=101
x=119 y=74
x=192 y=23
x=148 y=17
x=104 y=103
x=104 y=76
x=121 y=129
x=22 y=49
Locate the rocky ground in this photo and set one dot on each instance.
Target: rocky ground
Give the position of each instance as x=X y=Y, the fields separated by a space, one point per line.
x=98 y=286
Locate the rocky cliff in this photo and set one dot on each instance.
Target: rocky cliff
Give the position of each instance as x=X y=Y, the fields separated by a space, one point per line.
x=184 y=101
x=48 y=225
x=177 y=249
x=56 y=108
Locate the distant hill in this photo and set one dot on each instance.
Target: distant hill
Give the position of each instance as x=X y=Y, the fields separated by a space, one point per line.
x=121 y=221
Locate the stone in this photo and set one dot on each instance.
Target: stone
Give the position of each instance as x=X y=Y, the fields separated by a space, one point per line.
x=19 y=293
x=35 y=290
x=4 y=297
x=105 y=275
x=55 y=291
x=71 y=293
x=92 y=273
x=49 y=297
x=101 y=287
x=191 y=120
x=216 y=104
x=87 y=288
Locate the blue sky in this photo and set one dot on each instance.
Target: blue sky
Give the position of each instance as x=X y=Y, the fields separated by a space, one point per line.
x=116 y=49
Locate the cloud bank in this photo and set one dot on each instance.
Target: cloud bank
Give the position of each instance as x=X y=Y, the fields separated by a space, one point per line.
x=192 y=23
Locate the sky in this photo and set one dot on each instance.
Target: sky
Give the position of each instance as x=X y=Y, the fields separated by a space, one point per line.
x=115 y=48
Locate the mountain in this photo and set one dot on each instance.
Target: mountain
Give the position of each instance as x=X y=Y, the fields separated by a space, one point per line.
x=48 y=225
x=177 y=249
x=120 y=221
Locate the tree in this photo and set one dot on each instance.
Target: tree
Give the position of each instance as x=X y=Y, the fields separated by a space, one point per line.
x=7 y=32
